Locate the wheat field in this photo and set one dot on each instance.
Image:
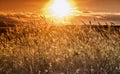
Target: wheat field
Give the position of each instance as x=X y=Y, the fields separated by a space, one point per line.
x=68 y=49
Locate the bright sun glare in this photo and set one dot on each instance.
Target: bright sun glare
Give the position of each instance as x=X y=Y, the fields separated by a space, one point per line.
x=60 y=8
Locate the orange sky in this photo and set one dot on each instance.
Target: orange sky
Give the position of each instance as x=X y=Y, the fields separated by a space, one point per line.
x=85 y=5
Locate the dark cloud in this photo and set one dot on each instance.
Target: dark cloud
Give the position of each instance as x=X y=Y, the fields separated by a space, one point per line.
x=111 y=17
x=96 y=17
x=14 y=18
x=115 y=18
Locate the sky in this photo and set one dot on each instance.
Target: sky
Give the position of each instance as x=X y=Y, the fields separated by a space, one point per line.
x=83 y=5
x=103 y=10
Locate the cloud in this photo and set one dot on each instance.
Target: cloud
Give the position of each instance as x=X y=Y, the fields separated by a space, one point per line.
x=96 y=17
x=14 y=18
x=110 y=17
x=86 y=16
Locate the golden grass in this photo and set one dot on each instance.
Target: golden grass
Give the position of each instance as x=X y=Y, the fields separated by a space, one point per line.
x=68 y=49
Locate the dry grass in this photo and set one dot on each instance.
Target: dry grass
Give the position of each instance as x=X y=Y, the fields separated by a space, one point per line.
x=68 y=49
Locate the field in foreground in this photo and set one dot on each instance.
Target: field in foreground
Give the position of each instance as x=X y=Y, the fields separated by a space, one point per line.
x=67 y=49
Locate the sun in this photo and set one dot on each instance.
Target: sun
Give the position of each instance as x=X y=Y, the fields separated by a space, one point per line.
x=60 y=8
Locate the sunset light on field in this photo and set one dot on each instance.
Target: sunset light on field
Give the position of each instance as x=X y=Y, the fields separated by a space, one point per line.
x=59 y=36
x=60 y=8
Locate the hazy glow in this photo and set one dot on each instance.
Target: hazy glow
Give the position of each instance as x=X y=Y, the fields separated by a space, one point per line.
x=60 y=8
